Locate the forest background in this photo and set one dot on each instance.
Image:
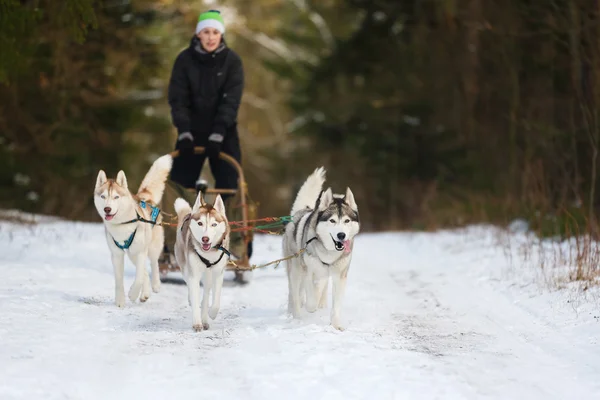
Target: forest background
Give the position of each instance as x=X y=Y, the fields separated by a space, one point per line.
x=436 y=113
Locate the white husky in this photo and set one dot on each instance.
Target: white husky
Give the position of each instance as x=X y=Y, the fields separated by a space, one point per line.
x=201 y=252
x=132 y=226
x=324 y=224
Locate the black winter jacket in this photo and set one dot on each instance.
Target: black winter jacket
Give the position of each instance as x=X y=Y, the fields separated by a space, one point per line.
x=205 y=91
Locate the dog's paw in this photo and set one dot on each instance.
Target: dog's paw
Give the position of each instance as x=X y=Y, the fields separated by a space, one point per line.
x=120 y=301
x=212 y=312
x=201 y=327
x=156 y=285
x=337 y=325
x=311 y=307
x=145 y=293
x=134 y=292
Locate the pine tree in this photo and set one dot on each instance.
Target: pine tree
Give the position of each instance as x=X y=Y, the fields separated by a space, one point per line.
x=75 y=106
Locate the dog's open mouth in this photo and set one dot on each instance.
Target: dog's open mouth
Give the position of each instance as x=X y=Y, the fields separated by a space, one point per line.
x=108 y=217
x=206 y=246
x=342 y=245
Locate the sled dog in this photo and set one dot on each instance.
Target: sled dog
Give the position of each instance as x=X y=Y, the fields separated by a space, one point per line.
x=201 y=252
x=324 y=224
x=132 y=226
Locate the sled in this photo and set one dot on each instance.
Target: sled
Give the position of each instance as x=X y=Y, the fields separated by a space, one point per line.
x=240 y=209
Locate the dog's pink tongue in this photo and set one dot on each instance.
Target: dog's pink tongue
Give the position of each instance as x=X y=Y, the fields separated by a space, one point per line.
x=347 y=247
x=108 y=217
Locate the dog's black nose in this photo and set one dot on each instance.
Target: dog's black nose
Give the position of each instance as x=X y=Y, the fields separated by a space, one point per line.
x=204 y=239
x=107 y=210
x=341 y=236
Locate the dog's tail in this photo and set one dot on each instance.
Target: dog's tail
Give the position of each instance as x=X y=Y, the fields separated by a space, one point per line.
x=153 y=184
x=309 y=191
x=182 y=208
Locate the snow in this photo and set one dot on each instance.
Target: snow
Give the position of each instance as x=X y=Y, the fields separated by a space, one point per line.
x=443 y=315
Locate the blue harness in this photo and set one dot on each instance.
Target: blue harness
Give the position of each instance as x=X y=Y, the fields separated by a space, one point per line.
x=153 y=218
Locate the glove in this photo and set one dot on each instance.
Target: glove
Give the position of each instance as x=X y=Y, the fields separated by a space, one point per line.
x=213 y=147
x=185 y=142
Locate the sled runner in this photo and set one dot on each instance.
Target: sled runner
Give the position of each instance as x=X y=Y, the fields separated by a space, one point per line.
x=240 y=209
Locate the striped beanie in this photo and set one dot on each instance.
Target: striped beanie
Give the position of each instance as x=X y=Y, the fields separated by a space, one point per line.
x=210 y=19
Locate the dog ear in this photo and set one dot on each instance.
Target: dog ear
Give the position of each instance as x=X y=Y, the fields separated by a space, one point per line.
x=199 y=203
x=219 y=205
x=121 y=179
x=101 y=179
x=326 y=199
x=350 y=199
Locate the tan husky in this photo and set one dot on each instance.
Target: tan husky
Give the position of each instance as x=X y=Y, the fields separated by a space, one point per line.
x=201 y=252
x=132 y=226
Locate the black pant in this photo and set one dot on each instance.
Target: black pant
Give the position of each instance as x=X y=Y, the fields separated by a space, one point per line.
x=186 y=170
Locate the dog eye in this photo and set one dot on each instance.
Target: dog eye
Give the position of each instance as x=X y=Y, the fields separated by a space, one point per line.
x=116 y=197
x=214 y=224
x=200 y=223
x=346 y=221
x=332 y=221
x=102 y=196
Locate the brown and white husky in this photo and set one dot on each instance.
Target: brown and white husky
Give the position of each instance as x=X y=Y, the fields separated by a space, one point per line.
x=132 y=226
x=201 y=253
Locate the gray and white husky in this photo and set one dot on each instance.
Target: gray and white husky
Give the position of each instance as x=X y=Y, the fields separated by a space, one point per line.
x=324 y=224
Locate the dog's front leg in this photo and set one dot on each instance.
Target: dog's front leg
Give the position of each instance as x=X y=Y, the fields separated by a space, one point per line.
x=217 y=284
x=311 y=290
x=140 y=273
x=322 y=292
x=295 y=282
x=193 y=284
x=206 y=283
x=145 y=287
x=339 y=288
x=118 y=260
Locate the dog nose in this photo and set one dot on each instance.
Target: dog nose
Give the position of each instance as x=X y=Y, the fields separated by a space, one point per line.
x=341 y=236
x=204 y=239
x=107 y=210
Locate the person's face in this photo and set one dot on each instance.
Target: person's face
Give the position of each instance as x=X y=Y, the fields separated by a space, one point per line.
x=210 y=39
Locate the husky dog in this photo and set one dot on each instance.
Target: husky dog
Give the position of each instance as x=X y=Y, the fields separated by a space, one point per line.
x=132 y=226
x=324 y=224
x=201 y=252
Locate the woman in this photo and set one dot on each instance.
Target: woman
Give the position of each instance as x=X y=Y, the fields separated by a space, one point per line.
x=205 y=91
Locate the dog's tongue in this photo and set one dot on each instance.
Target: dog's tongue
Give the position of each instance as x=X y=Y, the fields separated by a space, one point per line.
x=206 y=247
x=347 y=248
x=108 y=217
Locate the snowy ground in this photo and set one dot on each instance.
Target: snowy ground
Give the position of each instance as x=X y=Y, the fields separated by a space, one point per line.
x=428 y=316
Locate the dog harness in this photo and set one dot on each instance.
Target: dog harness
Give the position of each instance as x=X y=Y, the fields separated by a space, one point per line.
x=153 y=217
x=208 y=263
x=153 y=214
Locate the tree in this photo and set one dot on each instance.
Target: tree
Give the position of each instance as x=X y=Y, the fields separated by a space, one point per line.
x=73 y=110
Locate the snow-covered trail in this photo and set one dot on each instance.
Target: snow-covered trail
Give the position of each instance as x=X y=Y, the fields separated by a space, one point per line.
x=428 y=316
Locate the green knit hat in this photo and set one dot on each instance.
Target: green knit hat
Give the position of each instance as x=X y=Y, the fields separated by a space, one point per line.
x=210 y=19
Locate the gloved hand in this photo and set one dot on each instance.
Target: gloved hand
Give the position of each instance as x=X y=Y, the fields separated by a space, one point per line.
x=213 y=147
x=185 y=143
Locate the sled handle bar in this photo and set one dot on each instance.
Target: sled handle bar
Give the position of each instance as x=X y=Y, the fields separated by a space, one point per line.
x=241 y=185
x=230 y=160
